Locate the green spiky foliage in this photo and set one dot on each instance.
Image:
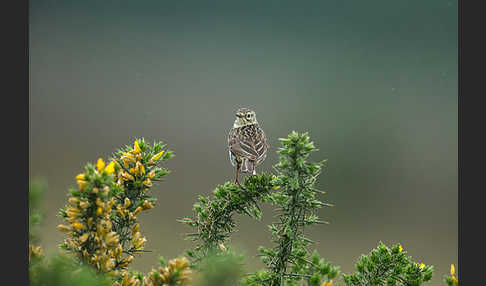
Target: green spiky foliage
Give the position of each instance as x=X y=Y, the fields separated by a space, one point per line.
x=135 y=186
x=63 y=269
x=214 y=215
x=453 y=279
x=289 y=262
x=36 y=193
x=223 y=269
x=318 y=271
x=385 y=266
x=37 y=189
x=101 y=217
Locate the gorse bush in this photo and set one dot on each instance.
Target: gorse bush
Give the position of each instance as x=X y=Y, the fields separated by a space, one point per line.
x=214 y=222
x=223 y=268
x=102 y=213
x=101 y=219
x=104 y=236
x=64 y=269
x=452 y=280
x=289 y=261
x=390 y=266
x=36 y=193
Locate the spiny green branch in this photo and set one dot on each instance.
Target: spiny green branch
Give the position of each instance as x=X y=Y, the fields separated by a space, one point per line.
x=296 y=201
x=391 y=266
x=213 y=221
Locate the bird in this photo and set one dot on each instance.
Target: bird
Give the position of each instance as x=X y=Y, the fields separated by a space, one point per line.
x=247 y=143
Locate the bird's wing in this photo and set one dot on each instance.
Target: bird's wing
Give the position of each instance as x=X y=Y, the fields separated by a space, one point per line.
x=261 y=146
x=253 y=148
x=243 y=148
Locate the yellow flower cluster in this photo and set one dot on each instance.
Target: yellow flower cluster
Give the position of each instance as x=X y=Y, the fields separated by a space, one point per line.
x=138 y=242
x=453 y=275
x=127 y=279
x=134 y=169
x=35 y=251
x=89 y=228
x=327 y=283
x=177 y=272
x=101 y=217
x=124 y=210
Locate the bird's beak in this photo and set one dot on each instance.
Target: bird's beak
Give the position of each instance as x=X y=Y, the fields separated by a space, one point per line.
x=239 y=115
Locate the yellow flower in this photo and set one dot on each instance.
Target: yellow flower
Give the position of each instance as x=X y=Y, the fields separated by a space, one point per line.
x=110 y=169
x=35 y=251
x=400 y=248
x=138 y=241
x=99 y=211
x=157 y=156
x=109 y=263
x=82 y=184
x=454 y=279
x=147 y=205
x=136 y=147
x=100 y=165
x=131 y=217
x=125 y=176
x=139 y=169
x=80 y=177
x=421 y=266
x=118 y=252
x=182 y=262
x=276 y=187
x=327 y=283
x=63 y=228
x=222 y=247
x=130 y=259
x=78 y=225
x=151 y=175
x=453 y=270
x=73 y=200
x=126 y=261
x=127 y=203
x=137 y=211
x=119 y=209
x=99 y=202
x=109 y=205
x=147 y=182
x=83 y=205
x=111 y=238
x=136 y=228
x=84 y=237
x=72 y=212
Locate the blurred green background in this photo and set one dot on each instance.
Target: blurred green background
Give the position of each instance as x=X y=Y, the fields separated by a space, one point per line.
x=374 y=82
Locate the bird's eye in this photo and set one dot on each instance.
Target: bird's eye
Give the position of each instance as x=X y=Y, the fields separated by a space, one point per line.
x=248 y=116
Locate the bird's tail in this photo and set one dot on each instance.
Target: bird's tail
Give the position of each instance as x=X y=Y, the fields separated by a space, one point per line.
x=248 y=166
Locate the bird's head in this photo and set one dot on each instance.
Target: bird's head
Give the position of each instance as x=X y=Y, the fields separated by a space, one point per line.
x=245 y=116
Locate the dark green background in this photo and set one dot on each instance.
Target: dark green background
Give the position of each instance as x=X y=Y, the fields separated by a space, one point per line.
x=374 y=82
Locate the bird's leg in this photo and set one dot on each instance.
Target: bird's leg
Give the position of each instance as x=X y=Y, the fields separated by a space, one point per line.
x=236 y=178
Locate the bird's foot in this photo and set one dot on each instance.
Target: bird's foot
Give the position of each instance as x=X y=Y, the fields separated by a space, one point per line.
x=239 y=185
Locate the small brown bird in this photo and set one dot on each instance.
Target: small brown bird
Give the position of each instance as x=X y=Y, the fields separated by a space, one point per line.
x=247 y=143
